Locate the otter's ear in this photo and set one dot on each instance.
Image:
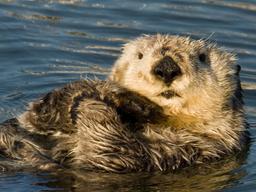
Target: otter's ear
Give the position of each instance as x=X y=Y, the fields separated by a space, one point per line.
x=238 y=69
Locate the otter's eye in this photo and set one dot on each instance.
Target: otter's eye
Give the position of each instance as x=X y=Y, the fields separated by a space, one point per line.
x=164 y=50
x=140 y=55
x=202 y=57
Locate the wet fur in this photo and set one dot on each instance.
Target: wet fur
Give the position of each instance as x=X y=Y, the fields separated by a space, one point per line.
x=124 y=124
x=61 y=129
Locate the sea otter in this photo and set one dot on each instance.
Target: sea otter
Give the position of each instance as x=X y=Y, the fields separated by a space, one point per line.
x=169 y=102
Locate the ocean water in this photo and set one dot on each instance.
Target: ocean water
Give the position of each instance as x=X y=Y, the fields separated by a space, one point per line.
x=47 y=43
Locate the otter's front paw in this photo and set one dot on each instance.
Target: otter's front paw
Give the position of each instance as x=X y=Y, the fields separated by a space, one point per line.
x=132 y=107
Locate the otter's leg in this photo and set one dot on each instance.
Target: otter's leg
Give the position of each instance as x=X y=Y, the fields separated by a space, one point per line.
x=103 y=141
x=15 y=144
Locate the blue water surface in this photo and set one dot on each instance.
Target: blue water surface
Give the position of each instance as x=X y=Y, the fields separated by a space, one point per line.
x=47 y=43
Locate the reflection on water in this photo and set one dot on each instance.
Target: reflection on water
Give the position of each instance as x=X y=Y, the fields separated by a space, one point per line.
x=211 y=178
x=47 y=43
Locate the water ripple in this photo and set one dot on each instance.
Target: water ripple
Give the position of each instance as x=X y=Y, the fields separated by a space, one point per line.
x=47 y=43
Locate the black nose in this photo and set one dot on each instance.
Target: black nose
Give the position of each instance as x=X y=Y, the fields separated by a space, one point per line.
x=167 y=70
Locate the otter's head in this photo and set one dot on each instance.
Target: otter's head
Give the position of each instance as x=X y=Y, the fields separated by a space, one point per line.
x=188 y=78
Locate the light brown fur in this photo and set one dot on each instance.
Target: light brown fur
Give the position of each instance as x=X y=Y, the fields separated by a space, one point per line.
x=210 y=101
x=127 y=124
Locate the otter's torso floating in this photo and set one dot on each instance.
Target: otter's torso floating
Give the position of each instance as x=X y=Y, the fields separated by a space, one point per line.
x=169 y=102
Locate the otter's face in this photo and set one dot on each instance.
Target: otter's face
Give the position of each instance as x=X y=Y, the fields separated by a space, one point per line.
x=181 y=75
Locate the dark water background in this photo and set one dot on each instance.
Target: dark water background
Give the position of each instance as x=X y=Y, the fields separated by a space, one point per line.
x=47 y=43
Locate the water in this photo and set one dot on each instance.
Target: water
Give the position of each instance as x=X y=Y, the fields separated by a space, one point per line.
x=47 y=43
